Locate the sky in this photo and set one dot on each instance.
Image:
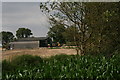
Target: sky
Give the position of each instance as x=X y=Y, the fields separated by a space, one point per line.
x=24 y=15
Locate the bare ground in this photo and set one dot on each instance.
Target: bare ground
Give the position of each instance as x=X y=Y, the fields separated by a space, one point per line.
x=42 y=52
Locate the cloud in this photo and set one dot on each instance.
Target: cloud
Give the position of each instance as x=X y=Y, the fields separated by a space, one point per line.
x=24 y=14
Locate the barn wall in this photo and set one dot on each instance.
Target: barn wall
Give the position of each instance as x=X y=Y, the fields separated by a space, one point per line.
x=25 y=45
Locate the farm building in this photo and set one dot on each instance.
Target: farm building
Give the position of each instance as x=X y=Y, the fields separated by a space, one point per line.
x=32 y=42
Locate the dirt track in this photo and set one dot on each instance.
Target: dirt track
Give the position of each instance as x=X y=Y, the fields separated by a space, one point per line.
x=43 y=52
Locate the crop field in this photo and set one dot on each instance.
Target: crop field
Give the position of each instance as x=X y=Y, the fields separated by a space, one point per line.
x=85 y=67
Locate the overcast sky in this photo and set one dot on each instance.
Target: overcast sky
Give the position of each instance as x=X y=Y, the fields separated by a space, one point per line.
x=24 y=14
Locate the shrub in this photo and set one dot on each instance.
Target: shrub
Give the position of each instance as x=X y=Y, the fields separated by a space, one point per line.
x=26 y=60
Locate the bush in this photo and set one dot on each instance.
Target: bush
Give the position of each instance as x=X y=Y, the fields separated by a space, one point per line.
x=27 y=60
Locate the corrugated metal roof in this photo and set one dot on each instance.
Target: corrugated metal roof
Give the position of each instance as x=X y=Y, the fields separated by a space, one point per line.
x=25 y=42
x=32 y=39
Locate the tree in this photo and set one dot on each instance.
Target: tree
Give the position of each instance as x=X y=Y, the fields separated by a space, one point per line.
x=70 y=31
x=23 y=33
x=104 y=17
x=6 y=37
x=69 y=34
x=69 y=14
x=96 y=24
x=56 y=33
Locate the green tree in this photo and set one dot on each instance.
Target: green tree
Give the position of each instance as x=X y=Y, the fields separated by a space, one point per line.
x=23 y=33
x=55 y=32
x=96 y=24
x=6 y=37
x=104 y=18
x=70 y=34
x=69 y=14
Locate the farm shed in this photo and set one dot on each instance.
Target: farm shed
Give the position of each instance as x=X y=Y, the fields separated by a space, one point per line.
x=32 y=42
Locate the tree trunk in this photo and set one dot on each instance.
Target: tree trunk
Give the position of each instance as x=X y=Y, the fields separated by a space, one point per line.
x=82 y=50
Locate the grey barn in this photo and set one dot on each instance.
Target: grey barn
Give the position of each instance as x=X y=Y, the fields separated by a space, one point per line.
x=28 y=43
